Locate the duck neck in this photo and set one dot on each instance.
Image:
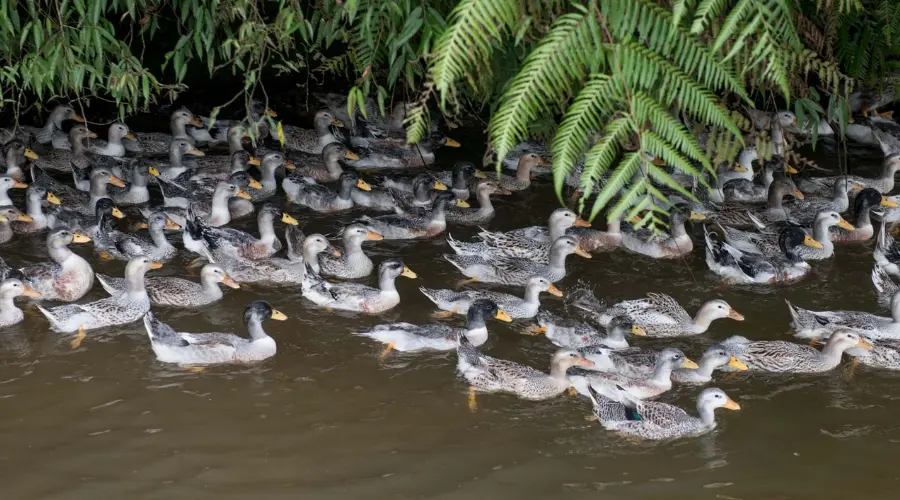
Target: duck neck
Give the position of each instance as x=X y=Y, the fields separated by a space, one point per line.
x=234 y=143
x=158 y=236
x=439 y=214
x=268 y=178
x=114 y=139
x=484 y=202
x=219 y=209
x=662 y=373
x=353 y=249
x=701 y=322
x=774 y=200
x=387 y=283
x=768 y=177
x=422 y=192
x=210 y=285
x=887 y=177
x=864 y=218
x=345 y=189
x=840 y=196
x=59 y=253
x=12 y=159
x=614 y=226
x=459 y=180
x=557 y=259
x=4 y=197
x=34 y=208
x=255 y=329
x=8 y=309
x=616 y=335
x=176 y=126
x=705 y=367
x=678 y=230
x=832 y=353
x=266 y=229
x=821 y=234
x=175 y=159
x=78 y=147
x=532 y=295
x=558 y=371
x=98 y=191
x=556 y=230
x=333 y=166
x=134 y=286
x=322 y=128
x=523 y=171
x=311 y=257
x=707 y=414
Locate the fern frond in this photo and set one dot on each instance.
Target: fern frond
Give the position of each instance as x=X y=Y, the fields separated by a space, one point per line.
x=674 y=132
x=629 y=166
x=706 y=12
x=603 y=154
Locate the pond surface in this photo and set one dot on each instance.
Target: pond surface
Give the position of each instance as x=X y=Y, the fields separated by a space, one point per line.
x=327 y=418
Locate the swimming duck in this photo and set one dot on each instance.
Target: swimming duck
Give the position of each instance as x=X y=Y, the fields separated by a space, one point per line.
x=424 y=188
x=356 y=296
x=522 y=179
x=326 y=169
x=216 y=130
x=657 y=421
x=529 y=242
x=90 y=225
x=568 y=333
x=715 y=356
x=384 y=199
x=488 y=374
x=517 y=307
x=157 y=247
x=10 y=288
x=805 y=211
x=113 y=146
x=216 y=211
x=215 y=348
x=788 y=357
x=766 y=242
x=35 y=196
x=320 y=198
x=177 y=292
x=395 y=155
x=410 y=226
x=463 y=214
x=737 y=266
x=883 y=184
x=657 y=382
x=662 y=246
x=178 y=148
x=511 y=160
x=240 y=244
x=239 y=161
x=7 y=183
x=51 y=133
x=747 y=191
x=312 y=141
x=9 y=214
x=866 y=200
x=158 y=143
x=280 y=271
x=15 y=155
x=517 y=271
x=134 y=192
x=819 y=324
x=460 y=178
x=405 y=337
x=596 y=241
x=68 y=277
x=884 y=355
x=741 y=216
x=86 y=203
x=62 y=160
x=887 y=253
x=352 y=263
x=269 y=163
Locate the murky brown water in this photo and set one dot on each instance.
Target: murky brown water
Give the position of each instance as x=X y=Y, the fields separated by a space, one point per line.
x=326 y=418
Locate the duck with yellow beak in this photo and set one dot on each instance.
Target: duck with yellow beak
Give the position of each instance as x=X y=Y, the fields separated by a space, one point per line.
x=452 y=302
x=10 y=214
x=739 y=267
x=36 y=197
x=648 y=386
x=646 y=242
x=868 y=200
x=518 y=271
x=11 y=288
x=235 y=243
x=356 y=296
x=715 y=356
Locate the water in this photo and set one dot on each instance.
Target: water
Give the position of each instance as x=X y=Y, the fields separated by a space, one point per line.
x=326 y=418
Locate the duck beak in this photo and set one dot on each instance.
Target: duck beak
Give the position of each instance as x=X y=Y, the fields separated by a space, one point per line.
x=689 y=364
x=115 y=181
x=196 y=122
x=857 y=188
x=440 y=186
x=735 y=315
x=78 y=118
x=24 y=217
x=373 y=236
x=153 y=171
x=334 y=251
x=552 y=290
x=731 y=405
x=636 y=219
x=797 y=194
x=91 y=135
x=737 y=364
x=408 y=273
x=696 y=216
x=195 y=152
x=271 y=112
x=350 y=155
x=117 y=213
x=80 y=238
x=31 y=292
x=363 y=185
x=585 y=362
x=452 y=144
x=130 y=136
x=243 y=194
x=794 y=122
x=638 y=330
x=864 y=344
x=791 y=170
x=174 y=226
x=289 y=165
x=739 y=168
x=253 y=161
x=810 y=242
x=580 y=251
x=143 y=225
x=888 y=203
x=278 y=315
x=846 y=225
x=579 y=222
x=52 y=198
x=229 y=282
x=462 y=204
x=289 y=220
x=502 y=316
x=480 y=174
x=254 y=184
x=20 y=185
x=30 y=154
x=3 y=219
x=336 y=122
x=156 y=265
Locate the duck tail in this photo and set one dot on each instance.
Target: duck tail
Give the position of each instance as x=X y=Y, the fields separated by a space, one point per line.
x=802 y=319
x=882 y=281
x=465 y=350
x=882 y=243
x=162 y=333
x=760 y=225
x=102 y=278
x=50 y=317
x=431 y=293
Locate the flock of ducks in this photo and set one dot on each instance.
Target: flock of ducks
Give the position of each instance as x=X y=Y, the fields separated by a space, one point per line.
x=759 y=229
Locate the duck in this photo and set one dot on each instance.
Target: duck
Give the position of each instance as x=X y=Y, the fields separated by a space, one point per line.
x=8 y=215
x=747 y=191
x=887 y=253
x=185 y=348
x=461 y=213
x=883 y=184
x=387 y=200
x=326 y=169
x=216 y=211
x=741 y=216
x=90 y=225
x=10 y=288
x=239 y=244
x=178 y=148
x=779 y=356
x=805 y=211
x=113 y=146
x=650 y=386
x=736 y=174
x=216 y=130
x=51 y=133
x=239 y=161
x=157 y=247
x=576 y=335
x=320 y=198
x=488 y=374
x=356 y=296
x=35 y=196
x=662 y=246
x=68 y=277
x=453 y=302
x=86 y=203
x=62 y=160
x=737 y=266
x=15 y=155
x=596 y=241
x=511 y=160
x=7 y=183
x=269 y=163
x=398 y=156
x=170 y=291
x=656 y=421
x=517 y=271
x=406 y=337
x=135 y=191
x=312 y=141
x=460 y=178
x=818 y=324
x=528 y=243
x=522 y=179
x=411 y=226
x=121 y=309
x=765 y=242
x=153 y=143
x=884 y=355
x=715 y=356
x=352 y=262
x=301 y=250
x=866 y=200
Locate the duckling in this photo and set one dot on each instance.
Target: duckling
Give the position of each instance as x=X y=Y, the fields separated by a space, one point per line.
x=405 y=337
x=8 y=214
x=215 y=348
x=352 y=263
x=177 y=292
x=675 y=244
x=576 y=335
x=63 y=160
x=787 y=357
x=517 y=271
x=409 y=226
x=239 y=244
x=10 y=288
x=35 y=196
x=134 y=192
x=113 y=146
x=529 y=242
x=312 y=141
x=818 y=324
x=866 y=200
x=740 y=216
x=522 y=179
x=68 y=277
x=319 y=198
x=657 y=421
x=517 y=307
x=153 y=143
x=713 y=357
x=737 y=266
x=488 y=374
x=326 y=169
x=358 y=297
x=883 y=184
x=766 y=241
x=651 y=386
x=16 y=155
x=7 y=183
x=51 y=133
x=157 y=247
